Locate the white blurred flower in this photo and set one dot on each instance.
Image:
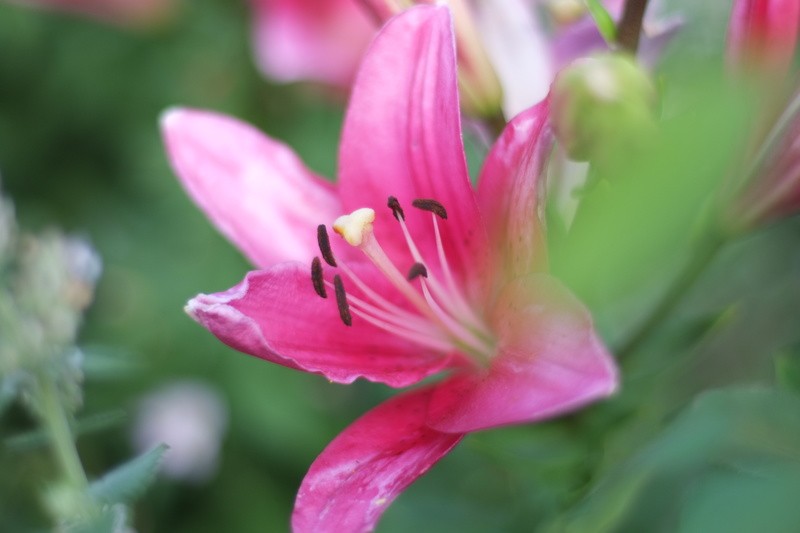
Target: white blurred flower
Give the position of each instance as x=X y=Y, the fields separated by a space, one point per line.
x=190 y=417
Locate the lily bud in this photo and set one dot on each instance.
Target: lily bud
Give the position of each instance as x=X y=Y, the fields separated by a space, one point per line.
x=602 y=104
x=762 y=34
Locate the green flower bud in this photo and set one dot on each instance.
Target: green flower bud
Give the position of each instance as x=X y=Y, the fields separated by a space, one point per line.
x=602 y=106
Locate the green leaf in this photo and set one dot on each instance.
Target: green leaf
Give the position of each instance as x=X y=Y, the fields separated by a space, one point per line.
x=106 y=363
x=128 y=481
x=734 y=454
x=645 y=207
x=86 y=425
x=787 y=369
x=605 y=24
x=110 y=519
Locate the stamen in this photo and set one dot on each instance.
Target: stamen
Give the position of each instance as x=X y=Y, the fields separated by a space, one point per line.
x=325 y=245
x=341 y=301
x=317 y=279
x=463 y=308
x=397 y=210
x=425 y=339
x=445 y=319
x=381 y=302
x=417 y=270
x=427 y=204
x=399 y=322
x=460 y=332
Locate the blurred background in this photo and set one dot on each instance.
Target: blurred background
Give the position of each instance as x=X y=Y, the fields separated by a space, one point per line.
x=80 y=149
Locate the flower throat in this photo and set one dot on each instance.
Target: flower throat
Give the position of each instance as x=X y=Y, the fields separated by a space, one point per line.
x=443 y=321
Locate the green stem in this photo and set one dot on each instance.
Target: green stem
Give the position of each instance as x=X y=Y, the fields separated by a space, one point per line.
x=705 y=253
x=630 y=26
x=55 y=421
x=496 y=124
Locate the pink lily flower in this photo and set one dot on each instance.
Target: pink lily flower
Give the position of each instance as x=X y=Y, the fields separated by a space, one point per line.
x=297 y=40
x=124 y=12
x=428 y=276
x=310 y=40
x=763 y=34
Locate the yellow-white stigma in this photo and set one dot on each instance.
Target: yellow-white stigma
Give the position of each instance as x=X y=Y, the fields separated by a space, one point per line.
x=355 y=226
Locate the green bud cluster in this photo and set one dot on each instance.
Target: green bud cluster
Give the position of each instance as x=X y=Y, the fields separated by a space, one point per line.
x=46 y=282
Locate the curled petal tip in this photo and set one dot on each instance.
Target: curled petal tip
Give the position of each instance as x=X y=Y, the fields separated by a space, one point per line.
x=194 y=307
x=170 y=116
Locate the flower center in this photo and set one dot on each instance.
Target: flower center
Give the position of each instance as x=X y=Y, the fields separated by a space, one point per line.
x=441 y=317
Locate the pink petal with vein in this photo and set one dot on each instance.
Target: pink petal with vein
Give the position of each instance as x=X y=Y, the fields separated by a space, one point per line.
x=402 y=137
x=368 y=465
x=508 y=194
x=254 y=189
x=310 y=40
x=549 y=361
x=275 y=314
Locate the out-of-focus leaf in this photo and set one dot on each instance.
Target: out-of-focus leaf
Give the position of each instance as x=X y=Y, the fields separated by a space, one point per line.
x=108 y=363
x=130 y=480
x=787 y=369
x=85 y=425
x=605 y=24
x=105 y=522
x=746 y=440
x=744 y=502
x=647 y=203
x=8 y=391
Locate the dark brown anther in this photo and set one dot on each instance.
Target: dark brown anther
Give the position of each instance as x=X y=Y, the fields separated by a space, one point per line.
x=341 y=301
x=397 y=210
x=426 y=204
x=325 y=245
x=417 y=270
x=317 y=279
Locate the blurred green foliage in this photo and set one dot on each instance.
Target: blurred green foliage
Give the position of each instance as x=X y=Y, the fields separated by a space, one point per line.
x=731 y=462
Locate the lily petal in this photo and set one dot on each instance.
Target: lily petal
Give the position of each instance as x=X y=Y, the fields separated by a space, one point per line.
x=402 y=137
x=276 y=315
x=549 y=361
x=254 y=189
x=368 y=465
x=508 y=192
x=299 y=40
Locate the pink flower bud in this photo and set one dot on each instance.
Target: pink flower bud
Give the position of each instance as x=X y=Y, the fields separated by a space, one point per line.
x=763 y=33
